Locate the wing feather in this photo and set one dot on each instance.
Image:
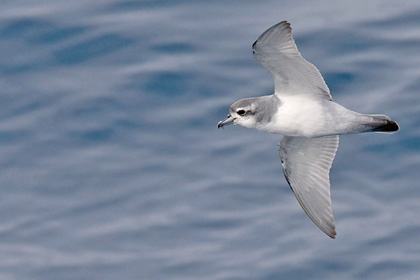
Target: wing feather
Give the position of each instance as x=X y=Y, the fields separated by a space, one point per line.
x=276 y=50
x=306 y=165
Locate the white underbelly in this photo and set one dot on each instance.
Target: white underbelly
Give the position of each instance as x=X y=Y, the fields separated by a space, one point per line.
x=300 y=116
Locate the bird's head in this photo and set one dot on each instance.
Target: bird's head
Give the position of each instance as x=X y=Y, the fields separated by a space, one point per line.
x=243 y=112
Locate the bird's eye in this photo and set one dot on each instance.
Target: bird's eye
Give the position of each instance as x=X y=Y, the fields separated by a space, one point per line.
x=240 y=112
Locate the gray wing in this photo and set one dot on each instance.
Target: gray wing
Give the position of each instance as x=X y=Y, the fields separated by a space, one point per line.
x=276 y=50
x=306 y=165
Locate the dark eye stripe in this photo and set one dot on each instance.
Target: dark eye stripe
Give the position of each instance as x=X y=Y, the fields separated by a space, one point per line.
x=240 y=112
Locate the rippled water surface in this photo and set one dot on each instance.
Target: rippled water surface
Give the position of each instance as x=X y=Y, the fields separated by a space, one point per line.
x=113 y=168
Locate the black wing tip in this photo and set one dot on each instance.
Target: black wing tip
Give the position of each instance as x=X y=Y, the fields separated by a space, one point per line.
x=284 y=22
x=253 y=45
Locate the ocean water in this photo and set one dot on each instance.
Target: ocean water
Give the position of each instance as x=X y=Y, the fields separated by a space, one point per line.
x=112 y=166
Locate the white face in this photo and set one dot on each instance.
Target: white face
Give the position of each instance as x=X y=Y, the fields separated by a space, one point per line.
x=244 y=116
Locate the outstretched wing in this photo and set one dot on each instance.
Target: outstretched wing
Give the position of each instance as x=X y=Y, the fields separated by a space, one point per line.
x=306 y=165
x=276 y=50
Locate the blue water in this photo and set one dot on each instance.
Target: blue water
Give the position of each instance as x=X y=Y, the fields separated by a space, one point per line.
x=112 y=166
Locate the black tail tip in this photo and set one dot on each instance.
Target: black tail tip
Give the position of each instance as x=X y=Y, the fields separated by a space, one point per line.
x=390 y=126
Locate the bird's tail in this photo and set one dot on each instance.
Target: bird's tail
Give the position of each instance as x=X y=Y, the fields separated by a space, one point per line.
x=382 y=123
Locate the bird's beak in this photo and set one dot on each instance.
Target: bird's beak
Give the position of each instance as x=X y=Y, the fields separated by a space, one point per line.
x=228 y=120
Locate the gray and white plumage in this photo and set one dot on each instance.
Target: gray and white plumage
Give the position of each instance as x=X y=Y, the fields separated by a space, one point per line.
x=306 y=163
x=276 y=50
x=302 y=109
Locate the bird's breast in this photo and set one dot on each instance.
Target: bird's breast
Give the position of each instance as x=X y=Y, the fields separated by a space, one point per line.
x=298 y=116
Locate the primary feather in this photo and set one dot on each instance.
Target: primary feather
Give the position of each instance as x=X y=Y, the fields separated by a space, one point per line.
x=276 y=50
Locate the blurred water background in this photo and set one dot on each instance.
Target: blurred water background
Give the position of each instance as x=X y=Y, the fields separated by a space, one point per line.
x=112 y=166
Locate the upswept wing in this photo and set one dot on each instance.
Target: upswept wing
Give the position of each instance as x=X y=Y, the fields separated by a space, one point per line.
x=276 y=50
x=306 y=165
